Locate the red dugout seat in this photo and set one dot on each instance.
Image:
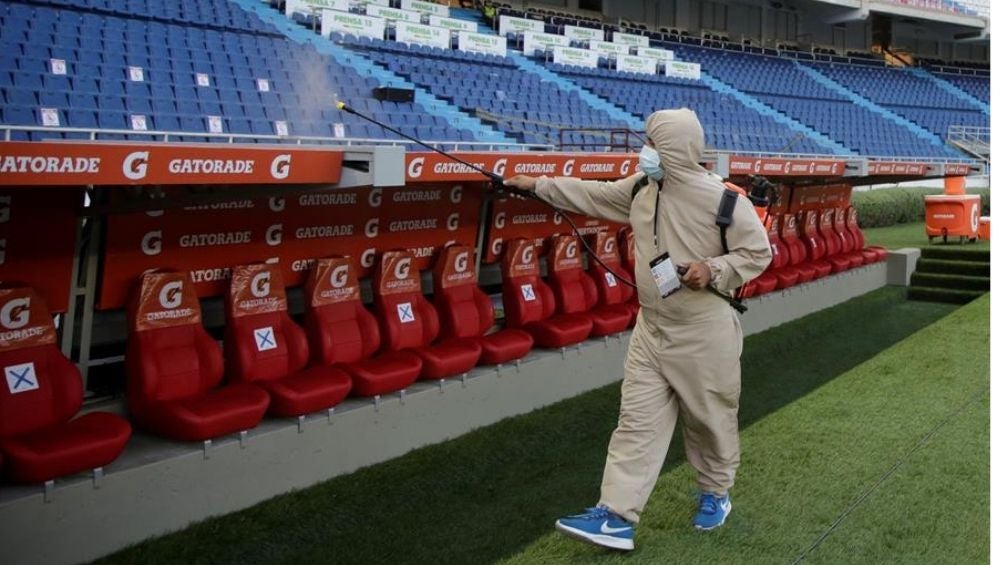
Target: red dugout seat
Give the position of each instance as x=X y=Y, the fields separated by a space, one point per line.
x=771 y=279
x=466 y=311
x=174 y=367
x=410 y=323
x=529 y=303
x=834 y=247
x=610 y=290
x=847 y=242
x=344 y=333
x=815 y=246
x=42 y=392
x=264 y=346
x=575 y=292
x=797 y=253
x=871 y=253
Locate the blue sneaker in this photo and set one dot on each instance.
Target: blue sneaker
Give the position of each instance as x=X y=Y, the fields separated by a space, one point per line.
x=599 y=526
x=712 y=511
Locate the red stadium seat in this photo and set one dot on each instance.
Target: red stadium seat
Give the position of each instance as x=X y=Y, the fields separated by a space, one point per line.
x=465 y=311
x=344 y=333
x=409 y=322
x=846 y=240
x=785 y=275
x=529 y=303
x=39 y=438
x=834 y=248
x=575 y=292
x=610 y=290
x=871 y=254
x=625 y=243
x=264 y=346
x=174 y=367
x=815 y=246
x=797 y=253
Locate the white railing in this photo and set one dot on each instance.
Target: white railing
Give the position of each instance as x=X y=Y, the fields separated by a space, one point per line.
x=179 y=136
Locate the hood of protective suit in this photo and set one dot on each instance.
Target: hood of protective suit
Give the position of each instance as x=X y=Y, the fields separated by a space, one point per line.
x=679 y=139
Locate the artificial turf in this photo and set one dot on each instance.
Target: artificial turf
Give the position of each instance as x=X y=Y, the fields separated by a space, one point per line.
x=814 y=438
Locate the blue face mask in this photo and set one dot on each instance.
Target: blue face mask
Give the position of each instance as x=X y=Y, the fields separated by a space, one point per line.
x=648 y=161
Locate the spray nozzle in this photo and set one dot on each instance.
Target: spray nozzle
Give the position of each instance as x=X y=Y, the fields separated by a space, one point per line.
x=762 y=192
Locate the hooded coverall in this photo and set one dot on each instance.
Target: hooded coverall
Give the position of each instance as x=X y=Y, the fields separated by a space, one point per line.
x=683 y=357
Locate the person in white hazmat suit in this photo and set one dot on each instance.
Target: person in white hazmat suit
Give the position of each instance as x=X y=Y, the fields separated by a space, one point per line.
x=683 y=358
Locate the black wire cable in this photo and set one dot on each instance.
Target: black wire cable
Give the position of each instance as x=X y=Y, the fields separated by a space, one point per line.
x=498 y=184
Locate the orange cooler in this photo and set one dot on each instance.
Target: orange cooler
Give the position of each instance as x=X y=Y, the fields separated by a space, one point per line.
x=948 y=215
x=984 y=230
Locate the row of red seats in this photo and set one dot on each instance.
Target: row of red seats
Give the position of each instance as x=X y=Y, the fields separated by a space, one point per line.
x=813 y=244
x=271 y=364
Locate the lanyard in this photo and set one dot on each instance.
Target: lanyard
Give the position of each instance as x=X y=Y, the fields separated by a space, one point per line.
x=655 y=216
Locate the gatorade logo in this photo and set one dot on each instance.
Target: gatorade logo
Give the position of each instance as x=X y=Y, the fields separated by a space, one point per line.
x=625 y=167
x=497 y=246
x=570 y=251
x=460 y=262
x=415 y=167
x=368 y=258
x=273 y=235
x=170 y=295
x=757 y=165
x=568 y=168
x=453 y=221
x=787 y=167
x=402 y=268
x=791 y=222
x=135 y=165
x=456 y=194
x=500 y=220
x=527 y=256
x=15 y=313
x=812 y=167
x=281 y=166
x=340 y=276
x=975 y=219
x=500 y=165
x=277 y=203
x=376 y=197
x=261 y=284
x=812 y=219
x=608 y=245
x=152 y=243
x=372 y=228
x=557 y=219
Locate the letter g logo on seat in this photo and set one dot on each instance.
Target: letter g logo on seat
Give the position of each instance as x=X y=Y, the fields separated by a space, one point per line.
x=461 y=262
x=261 y=285
x=527 y=256
x=170 y=295
x=340 y=276
x=402 y=268
x=14 y=314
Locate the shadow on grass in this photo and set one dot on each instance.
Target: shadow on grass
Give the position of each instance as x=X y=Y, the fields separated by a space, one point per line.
x=487 y=494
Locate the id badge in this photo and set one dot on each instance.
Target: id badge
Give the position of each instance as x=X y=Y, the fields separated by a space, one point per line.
x=665 y=275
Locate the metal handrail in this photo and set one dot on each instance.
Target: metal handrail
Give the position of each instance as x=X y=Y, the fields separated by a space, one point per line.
x=159 y=135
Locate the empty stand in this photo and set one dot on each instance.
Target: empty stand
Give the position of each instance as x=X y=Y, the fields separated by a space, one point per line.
x=40 y=437
x=342 y=332
x=174 y=367
x=530 y=304
x=410 y=323
x=264 y=346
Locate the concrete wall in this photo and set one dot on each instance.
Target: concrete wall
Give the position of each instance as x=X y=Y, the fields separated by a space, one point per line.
x=158 y=486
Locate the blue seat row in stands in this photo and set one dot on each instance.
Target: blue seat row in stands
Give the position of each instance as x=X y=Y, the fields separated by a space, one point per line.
x=938 y=120
x=728 y=124
x=978 y=86
x=779 y=83
x=216 y=13
x=893 y=87
x=190 y=74
x=523 y=106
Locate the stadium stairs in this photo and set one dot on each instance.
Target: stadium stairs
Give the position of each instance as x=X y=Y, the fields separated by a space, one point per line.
x=950 y=88
x=954 y=275
x=751 y=102
x=423 y=98
x=866 y=103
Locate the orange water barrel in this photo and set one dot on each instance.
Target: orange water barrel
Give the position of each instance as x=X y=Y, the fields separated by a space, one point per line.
x=984 y=231
x=955 y=185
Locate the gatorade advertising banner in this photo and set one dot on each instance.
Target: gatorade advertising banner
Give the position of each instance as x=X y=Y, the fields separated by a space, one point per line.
x=564 y=254
x=455 y=267
x=807 y=198
x=604 y=244
x=291 y=232
x=332 y=280
x=513 y=217
x=256 y=289
x=520 y=259
x=79 y=164
x=37 y=240
x=24 y=319
x=431 y=167
x=163 y=299
x=398 y=274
